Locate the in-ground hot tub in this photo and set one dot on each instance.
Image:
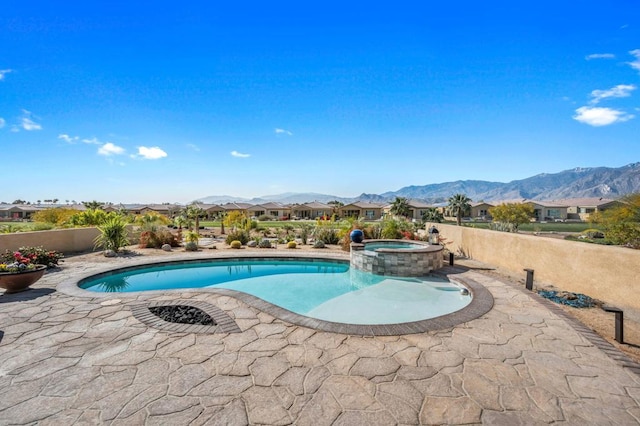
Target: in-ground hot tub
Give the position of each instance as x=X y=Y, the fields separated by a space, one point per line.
x=398 y=258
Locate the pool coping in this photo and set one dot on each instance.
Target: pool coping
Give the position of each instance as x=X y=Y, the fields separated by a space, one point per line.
x=481 y=300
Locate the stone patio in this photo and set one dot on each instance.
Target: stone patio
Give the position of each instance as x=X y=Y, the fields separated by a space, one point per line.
x=67 y=359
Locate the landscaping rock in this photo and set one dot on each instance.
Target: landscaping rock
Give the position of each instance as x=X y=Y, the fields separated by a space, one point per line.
x=166 y=247
x=252 y=243
x=110 y=253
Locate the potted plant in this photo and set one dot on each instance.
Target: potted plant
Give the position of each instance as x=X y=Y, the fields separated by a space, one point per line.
x=20 y=274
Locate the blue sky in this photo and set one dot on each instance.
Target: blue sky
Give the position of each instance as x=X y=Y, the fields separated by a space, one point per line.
x=174 y=101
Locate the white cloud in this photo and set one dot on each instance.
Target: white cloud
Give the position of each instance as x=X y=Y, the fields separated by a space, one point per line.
x=110 y=149
x=239 y=154
x=3 y=73
x=635 y=64
x=619 y=91
x=92 y=141
x=283 y=131
x=151 y=153
x=598 y=116
x=600 y=56
x=29 y=125
x=2 y=122
x=67 y=138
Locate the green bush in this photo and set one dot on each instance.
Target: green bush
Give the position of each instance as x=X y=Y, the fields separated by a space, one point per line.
x=240 y=235
x=236 y=244
x=318 y=244
x=327 y=235
x=113 y=234
x=265 y=218
x=291 y=245
x=191 y=246
x=264 y=244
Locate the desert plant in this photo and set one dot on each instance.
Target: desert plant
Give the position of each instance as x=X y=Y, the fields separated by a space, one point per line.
x=191 y=246
x=113 y=234
x=264 y=244
x=291 y=245
x=318 y=244
x=265 y=218
x=236 y=244
x=305 y=231
x=240 y=235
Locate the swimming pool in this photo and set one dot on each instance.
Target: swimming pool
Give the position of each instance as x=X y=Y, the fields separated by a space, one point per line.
x=327 y=290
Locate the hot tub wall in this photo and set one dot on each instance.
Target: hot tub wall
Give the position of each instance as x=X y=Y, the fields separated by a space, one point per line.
x=398 y=263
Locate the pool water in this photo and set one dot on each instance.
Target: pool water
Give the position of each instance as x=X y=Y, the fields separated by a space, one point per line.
x=395 y=246
x=325 y=290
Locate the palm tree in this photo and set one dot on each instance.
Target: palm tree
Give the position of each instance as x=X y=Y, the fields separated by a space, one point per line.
x=194 y=212
x=459 y=204
x=400 y=207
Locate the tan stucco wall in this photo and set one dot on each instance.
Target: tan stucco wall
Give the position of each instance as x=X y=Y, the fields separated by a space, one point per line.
x=63 y=240
x=611 y=274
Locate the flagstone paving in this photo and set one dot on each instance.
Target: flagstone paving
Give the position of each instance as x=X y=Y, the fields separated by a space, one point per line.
x=87 y=360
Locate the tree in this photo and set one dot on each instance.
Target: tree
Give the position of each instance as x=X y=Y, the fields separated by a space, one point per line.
x=622 y=223
x=335 y=206
x=92 y=205
x=194 y=212
x=459 y=204
x=400 y=207
x=512 y=215
x=432 y=215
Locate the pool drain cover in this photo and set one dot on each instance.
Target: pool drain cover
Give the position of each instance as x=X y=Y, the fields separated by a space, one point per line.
x=182 y=314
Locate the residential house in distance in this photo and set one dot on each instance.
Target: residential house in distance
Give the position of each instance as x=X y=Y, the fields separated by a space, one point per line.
x=369 y=211
x=313 y=210
x=480 y=210
x=582 y=208
x=273 y=209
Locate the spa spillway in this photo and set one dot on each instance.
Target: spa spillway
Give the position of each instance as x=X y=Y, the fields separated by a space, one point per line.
x=398 y=258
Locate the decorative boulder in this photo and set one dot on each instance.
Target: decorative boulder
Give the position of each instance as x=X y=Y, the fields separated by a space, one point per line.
x=318 y=244
x=110 y=253
x=252 y=243
x=166 y=247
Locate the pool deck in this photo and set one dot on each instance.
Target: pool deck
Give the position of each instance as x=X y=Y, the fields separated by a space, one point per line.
x=70 y=359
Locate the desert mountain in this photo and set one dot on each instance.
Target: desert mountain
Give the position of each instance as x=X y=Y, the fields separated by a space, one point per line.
x=580 y=182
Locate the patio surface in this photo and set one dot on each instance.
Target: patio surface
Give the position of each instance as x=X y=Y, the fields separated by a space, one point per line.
x=67 y=359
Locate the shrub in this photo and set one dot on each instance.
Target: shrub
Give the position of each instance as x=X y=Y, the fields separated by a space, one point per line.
x=156 y=239
x=291 y=245
x=240 y=235
x=41 y=226
x=264 y=244
x=592 y=233
x=265 y=218
x=54 y=216
x=191 y=246
x=236 y=244
x=318 y=244
x=38 y=255
x=113 y=234
x=327 y=235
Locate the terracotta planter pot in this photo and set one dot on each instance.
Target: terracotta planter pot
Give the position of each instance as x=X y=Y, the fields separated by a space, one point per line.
x=14 y=282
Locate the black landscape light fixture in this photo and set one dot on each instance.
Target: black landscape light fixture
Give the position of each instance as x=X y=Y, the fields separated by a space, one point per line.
x=433 y=235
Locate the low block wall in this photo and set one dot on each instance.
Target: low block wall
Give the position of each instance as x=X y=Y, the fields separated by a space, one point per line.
x=611 y=274
x=63 y=240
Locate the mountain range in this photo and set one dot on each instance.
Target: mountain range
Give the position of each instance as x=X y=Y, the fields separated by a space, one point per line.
x=581 y=182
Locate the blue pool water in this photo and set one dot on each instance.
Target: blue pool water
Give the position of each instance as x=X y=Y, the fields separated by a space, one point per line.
x=326 y=290
x=396 y=246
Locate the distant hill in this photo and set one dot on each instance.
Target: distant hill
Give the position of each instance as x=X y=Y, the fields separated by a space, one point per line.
x=575 y=183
